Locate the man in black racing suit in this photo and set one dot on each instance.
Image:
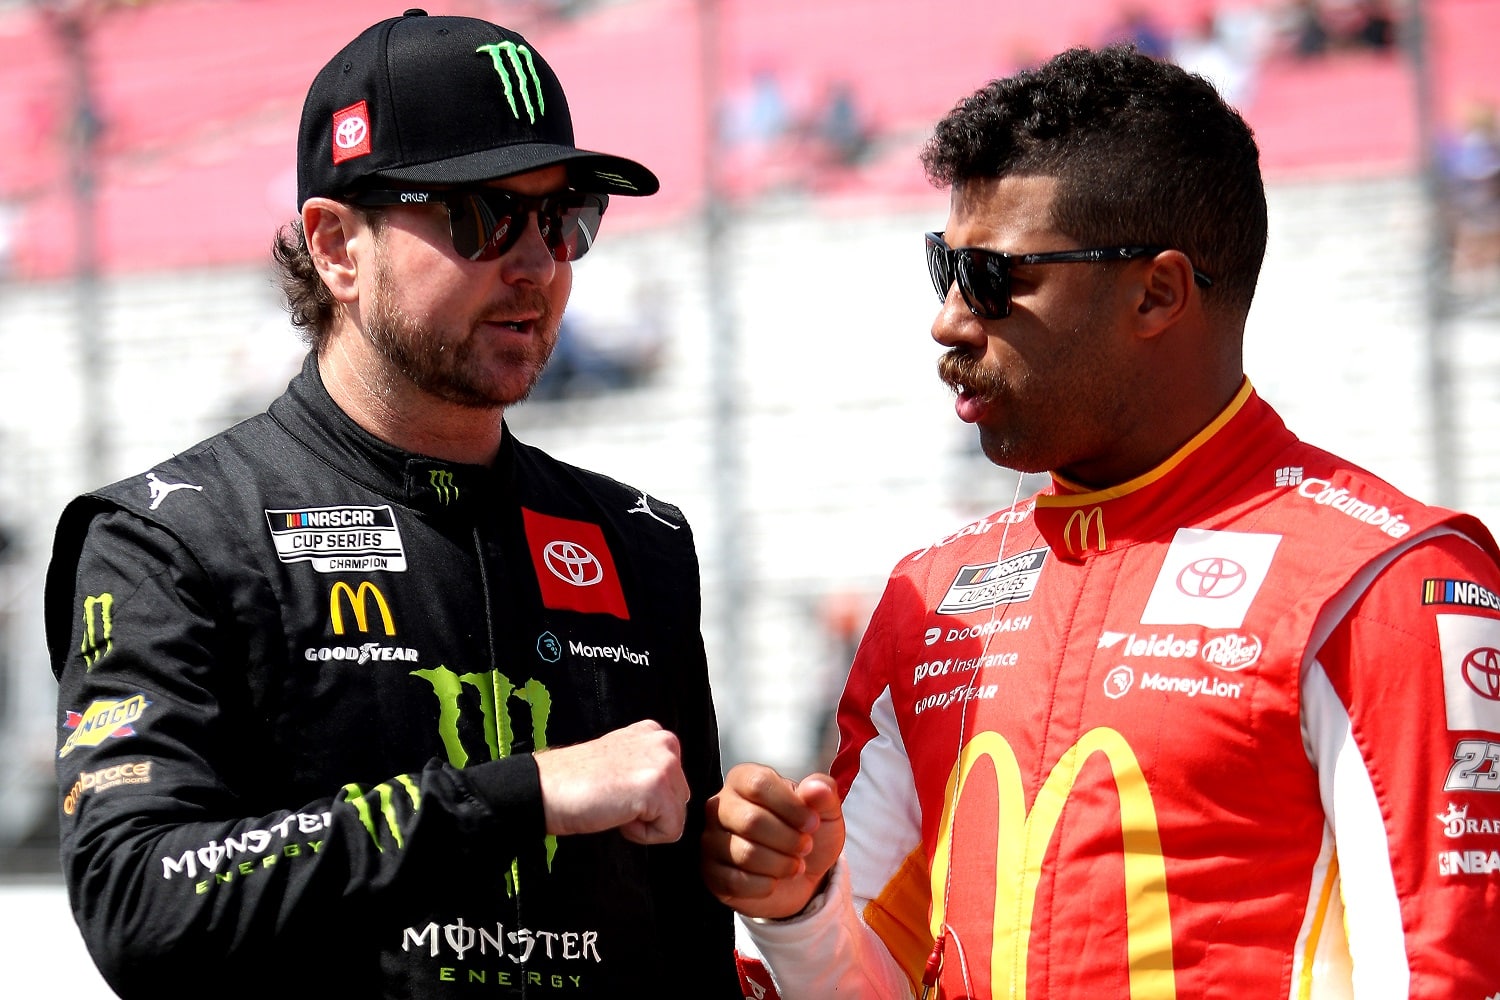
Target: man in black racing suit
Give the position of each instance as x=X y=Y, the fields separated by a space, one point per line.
x=364 y=697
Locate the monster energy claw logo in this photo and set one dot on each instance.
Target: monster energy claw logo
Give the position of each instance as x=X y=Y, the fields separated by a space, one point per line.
x=521 y=63
x=98 y=627
x=442 y=484
x=494 y=693
x=385 y=797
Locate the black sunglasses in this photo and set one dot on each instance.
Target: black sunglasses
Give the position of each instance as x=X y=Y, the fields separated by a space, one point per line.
x=984 y=275
x=486 y=222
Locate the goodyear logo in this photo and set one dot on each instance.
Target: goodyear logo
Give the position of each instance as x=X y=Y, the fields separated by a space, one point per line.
x=103 y=719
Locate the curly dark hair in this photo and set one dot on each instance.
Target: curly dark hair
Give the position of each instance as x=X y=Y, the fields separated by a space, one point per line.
x=309 y=303
x=1144 y=151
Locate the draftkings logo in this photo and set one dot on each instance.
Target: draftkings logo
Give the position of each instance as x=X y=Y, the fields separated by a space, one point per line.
x=515 y=60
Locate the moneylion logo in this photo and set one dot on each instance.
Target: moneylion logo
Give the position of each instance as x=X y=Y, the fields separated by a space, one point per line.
x=359 y=605
x=441 y=481
x=1021 y=844
x=512 y=58
x=1094 y=517
x=98 y=628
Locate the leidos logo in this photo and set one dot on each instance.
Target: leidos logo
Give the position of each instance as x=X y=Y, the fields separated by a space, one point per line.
x=512 y=58
x=98 y=627
x=1023 y=838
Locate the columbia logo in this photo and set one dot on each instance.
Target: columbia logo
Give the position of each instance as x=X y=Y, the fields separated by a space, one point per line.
x=1291 y=475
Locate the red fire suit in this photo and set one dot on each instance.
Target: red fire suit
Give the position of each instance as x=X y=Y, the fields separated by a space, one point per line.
x=1231 y=729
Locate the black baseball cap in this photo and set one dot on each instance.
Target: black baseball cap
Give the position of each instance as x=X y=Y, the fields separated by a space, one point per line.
x=444 y=100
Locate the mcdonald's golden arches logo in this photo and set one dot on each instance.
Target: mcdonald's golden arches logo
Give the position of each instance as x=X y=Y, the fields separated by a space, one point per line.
x=1084 y=519
x=1021 y=841
x=359 y=604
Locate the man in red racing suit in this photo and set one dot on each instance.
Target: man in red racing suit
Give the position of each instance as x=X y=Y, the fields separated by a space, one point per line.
x=1215 y=715
x=1137 y=722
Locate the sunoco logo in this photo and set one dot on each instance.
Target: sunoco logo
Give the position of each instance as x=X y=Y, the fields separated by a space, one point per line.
x=103 y=720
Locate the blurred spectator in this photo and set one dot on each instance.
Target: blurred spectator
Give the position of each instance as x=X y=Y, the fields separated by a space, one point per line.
x=1473 y=174
x=762 y=143
x=1306 y=30
x=594 y=357
x=839 y=131
x=760 y=114
x=1313 y=28
x=1139 y=27
x=1375 y=27
x=1215 y=51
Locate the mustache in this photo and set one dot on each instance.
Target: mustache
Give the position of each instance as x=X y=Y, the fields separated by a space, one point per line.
x=963 y=372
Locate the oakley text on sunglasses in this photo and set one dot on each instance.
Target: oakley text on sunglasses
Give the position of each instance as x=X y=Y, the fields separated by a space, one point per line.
x=486 y=222
x=984 y=275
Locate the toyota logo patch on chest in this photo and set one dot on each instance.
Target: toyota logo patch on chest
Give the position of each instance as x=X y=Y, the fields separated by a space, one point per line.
x=574 y=568
x=572 y=564
x=1209 y=578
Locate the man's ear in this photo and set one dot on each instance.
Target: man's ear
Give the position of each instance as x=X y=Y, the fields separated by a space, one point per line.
x=335 y=232
x=1167 y=291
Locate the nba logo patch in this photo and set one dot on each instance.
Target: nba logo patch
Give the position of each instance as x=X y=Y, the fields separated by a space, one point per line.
x=574 y=568
x=351 y=133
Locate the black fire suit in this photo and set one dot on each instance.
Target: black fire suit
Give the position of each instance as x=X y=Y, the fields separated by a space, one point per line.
x=301 y=677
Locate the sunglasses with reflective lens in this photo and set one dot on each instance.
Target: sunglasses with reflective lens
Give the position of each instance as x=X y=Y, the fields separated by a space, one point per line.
x=984 y=275
x=486 y=222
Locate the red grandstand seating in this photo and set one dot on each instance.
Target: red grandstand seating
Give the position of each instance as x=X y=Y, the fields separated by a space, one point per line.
x=200 y=100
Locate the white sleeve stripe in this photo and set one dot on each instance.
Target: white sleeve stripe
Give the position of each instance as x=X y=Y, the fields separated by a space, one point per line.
x=881 y=812
x=1372 y=911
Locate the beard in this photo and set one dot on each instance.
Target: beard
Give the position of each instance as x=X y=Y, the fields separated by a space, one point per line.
x=456 y=364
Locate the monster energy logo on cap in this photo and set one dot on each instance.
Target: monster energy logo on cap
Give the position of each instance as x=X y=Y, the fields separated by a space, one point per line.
x=512 y=58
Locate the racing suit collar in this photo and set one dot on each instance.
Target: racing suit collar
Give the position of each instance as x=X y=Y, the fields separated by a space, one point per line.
x=431 y=485
x=1078 y=523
